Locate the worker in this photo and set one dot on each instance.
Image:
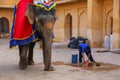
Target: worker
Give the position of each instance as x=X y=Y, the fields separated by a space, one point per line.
x=84 y=48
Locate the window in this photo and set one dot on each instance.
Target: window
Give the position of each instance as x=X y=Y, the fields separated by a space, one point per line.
x=4 y=25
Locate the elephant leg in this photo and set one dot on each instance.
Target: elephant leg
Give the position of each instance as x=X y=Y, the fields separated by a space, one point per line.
x=23 y=56
x=47 y=45
x=30 y=54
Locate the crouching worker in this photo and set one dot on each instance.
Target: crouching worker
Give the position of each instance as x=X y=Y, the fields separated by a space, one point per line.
x=84 y=48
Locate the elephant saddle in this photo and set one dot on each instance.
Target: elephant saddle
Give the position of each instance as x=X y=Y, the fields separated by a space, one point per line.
x=22 y=31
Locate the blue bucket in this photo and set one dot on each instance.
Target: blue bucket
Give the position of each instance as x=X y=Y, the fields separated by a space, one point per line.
x=74 y=58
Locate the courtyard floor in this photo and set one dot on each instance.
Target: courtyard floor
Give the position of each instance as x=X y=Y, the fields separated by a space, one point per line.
x=61 y=60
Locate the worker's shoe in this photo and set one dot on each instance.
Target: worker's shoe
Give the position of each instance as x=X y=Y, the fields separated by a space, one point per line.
x=97 y=64
x=90 y=64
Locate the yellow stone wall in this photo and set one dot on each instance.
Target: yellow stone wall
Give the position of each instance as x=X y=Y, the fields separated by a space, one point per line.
x=8 y=13
x=75 y=10
x=8 y=2
x=89 y=18
x=95 y=22
x=6 y=9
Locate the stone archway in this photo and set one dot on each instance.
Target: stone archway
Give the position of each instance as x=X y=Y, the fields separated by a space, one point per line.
x=109 y=23
x=68 y=27
x=82 y=28
x=108 y=30
x=4 y=26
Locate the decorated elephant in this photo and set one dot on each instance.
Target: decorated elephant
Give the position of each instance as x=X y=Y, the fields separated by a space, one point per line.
x=43 y=17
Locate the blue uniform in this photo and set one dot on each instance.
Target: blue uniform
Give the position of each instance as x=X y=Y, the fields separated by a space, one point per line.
x=84 y=48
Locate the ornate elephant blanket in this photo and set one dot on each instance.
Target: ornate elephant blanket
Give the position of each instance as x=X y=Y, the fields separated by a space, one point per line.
x=22 y=31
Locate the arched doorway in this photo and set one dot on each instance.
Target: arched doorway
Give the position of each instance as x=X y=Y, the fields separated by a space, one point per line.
x=109 y=23
x=108 y=29
x=68 y=27
x=82 y=28
x=4 y=26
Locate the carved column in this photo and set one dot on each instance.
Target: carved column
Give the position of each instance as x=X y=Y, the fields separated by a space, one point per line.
x=95 y=25
x=116 y=24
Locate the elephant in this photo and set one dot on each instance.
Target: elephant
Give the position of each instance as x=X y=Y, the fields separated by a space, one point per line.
x=44 y=21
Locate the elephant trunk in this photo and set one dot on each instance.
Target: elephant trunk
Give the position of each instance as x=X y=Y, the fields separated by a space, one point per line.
x=47 y=49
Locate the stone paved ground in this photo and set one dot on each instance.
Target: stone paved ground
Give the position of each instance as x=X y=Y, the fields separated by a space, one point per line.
x=61 y=58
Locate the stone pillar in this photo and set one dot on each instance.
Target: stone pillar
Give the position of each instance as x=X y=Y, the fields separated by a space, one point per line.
x=74 y=23
x=95 y=25
x=116 y=24
x=89 y=31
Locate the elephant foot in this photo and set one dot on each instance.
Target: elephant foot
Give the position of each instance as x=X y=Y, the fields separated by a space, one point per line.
x=31 y=62
x=22 y=67
x=23 y=64
x=50 y=69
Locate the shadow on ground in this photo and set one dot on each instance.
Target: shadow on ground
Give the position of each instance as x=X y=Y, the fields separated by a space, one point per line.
x=94 y=68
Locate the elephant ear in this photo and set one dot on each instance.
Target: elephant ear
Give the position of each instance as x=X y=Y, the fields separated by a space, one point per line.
x=30 y=13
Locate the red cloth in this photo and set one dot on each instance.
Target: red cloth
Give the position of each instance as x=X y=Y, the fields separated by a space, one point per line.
x=22 y=27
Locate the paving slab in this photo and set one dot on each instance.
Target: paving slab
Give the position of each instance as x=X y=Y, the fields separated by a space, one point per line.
x=61 y=60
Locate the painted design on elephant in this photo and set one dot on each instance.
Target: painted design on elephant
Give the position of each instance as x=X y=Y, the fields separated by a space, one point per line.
x=46 y=6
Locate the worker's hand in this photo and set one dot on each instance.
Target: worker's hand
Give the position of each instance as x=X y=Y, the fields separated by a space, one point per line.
x=86 y=63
